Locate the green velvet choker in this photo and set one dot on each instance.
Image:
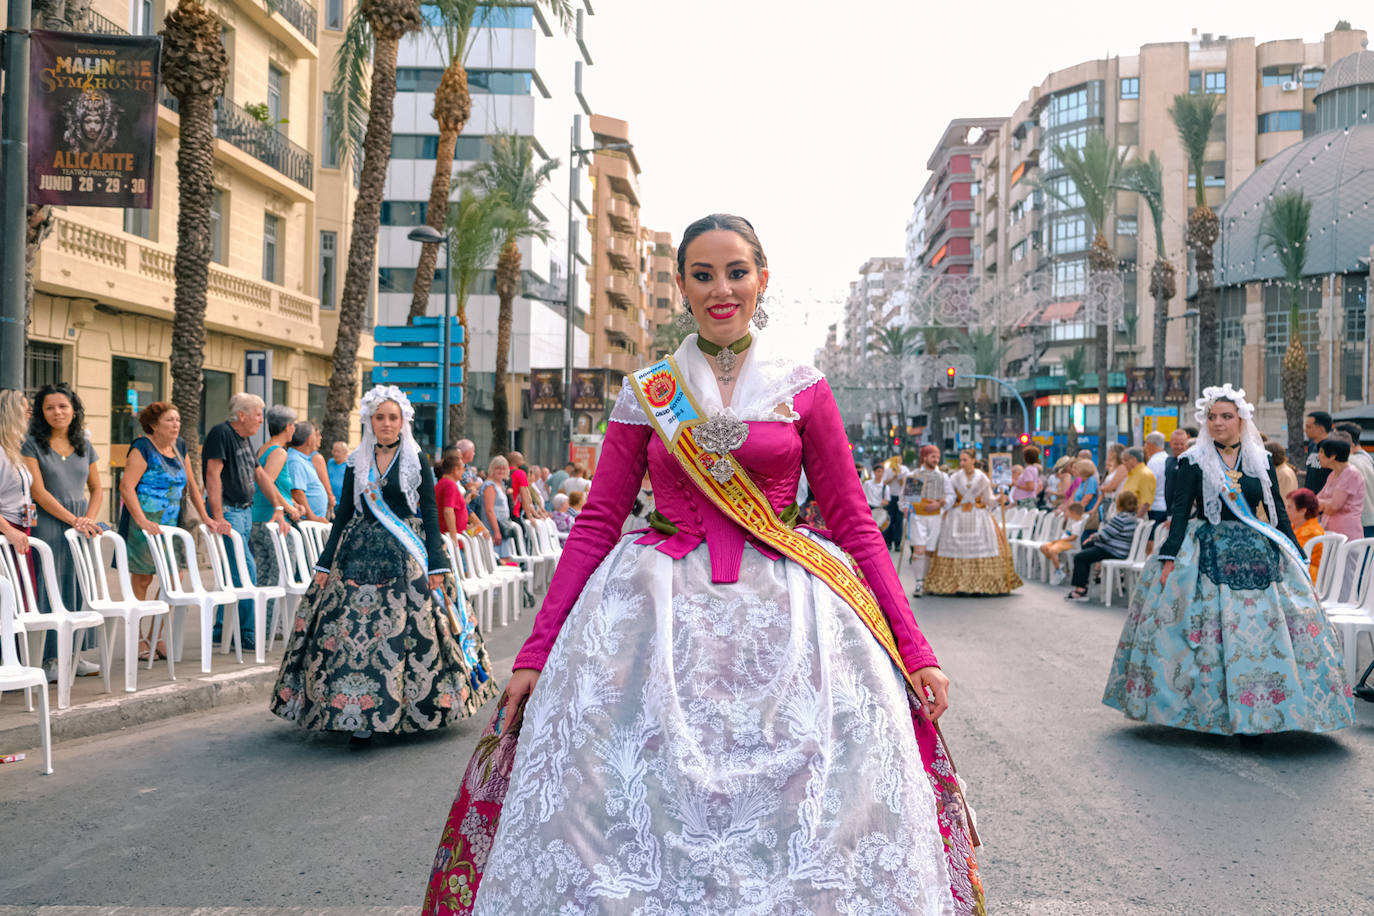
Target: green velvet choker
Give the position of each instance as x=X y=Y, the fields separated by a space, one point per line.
x=711 y=349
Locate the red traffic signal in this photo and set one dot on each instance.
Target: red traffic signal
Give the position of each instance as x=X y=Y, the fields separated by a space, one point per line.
x=1024 y=439
x=949 y=377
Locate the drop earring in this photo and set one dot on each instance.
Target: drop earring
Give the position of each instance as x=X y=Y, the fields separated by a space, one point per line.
x=686 y=322
x=760 y=313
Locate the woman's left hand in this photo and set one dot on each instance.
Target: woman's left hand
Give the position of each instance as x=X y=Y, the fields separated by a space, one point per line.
x=436 y=580
x=933 y=687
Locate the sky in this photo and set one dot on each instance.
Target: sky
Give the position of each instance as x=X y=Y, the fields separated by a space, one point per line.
x=815 y=121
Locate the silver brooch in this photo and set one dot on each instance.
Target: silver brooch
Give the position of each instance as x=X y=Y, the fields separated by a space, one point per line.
x=722 y=469
x=725 y=359
x=722 y=433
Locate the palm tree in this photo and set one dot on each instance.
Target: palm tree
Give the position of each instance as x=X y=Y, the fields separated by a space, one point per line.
x=194 y=68
x=895 y=342
x=1193 y=116
x=1285 y=231
x=1095 y=170
x=377 y=25
x=476 y=223
x=667 y=338
x=512 y=174
x=1146 y=178
x=1075 y=364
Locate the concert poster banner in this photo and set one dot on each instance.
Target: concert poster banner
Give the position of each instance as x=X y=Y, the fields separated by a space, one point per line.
x=589 y=389
x=546 y=389
x=92 y=118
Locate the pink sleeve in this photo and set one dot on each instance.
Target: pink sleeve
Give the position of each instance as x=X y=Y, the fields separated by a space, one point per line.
x=830 y=470
x=624 y=456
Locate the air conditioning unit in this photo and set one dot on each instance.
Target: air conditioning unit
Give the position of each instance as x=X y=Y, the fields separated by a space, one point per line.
x=1290 y=85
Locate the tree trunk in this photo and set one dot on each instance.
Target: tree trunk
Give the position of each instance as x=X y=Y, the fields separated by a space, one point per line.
x=1203 y=230
x=507 y=282
x=195 y=187
x=452 y=107
x=1294 y=383
x=362 y=242
x=458 y=413
x=1102 y=261
x=1162 y=289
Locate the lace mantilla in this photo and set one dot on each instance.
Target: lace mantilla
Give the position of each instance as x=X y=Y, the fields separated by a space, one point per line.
x=408 y=455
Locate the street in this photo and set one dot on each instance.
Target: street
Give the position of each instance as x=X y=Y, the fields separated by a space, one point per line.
x=1081 y=812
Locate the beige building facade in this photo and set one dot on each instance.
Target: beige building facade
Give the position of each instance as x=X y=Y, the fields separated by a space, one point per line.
x=103 y=303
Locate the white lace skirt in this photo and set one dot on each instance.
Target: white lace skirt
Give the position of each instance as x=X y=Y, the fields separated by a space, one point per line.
x=702 y=748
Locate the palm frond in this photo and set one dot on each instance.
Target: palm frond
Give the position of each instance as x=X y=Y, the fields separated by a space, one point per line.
x=350 y=90
x=511 y=172
x=1075 y=363
x=1193 y=116
x=475 y=220
x=1287 y=219
x=1146 y=178
x=1094 y=171
x=896 y=341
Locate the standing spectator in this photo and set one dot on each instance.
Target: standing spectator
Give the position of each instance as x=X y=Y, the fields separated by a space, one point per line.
x=1178 y=444
x=1028 y=483
x=65 y=470
x=1303 y=514
x=314 y=499
x=522 y=504
x=1157 y=460
x=468 y=451
x=1056 y=483
x=557 y=477
x=539 y=482
x=1317 y=428
x=155 y=477
x=337 y=464
x=17 y=512
x=1287 y=477
x=453 y=509
x=1139 y=480
x=1341 y=501
x=577 y=482
x=495 y=506
x=321 y=467
x=1361 y=461
x=1111 y=542
x=271 y=502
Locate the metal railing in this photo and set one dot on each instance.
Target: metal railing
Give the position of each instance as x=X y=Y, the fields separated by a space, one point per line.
x=299 y=13
x=101 y=26
x=235 y=125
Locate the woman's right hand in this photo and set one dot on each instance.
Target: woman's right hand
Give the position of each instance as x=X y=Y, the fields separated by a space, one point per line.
x=150 y=528
x=522 y=682
x=1168 y=568
x=18 y=539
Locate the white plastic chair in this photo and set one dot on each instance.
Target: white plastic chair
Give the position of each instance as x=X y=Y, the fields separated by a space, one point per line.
x=1020 y=545
x=61 y=621
x=224 y=559
x=554 y=537
x=315 y=535
x=528 y=556
x=545 y=545
x=505 y=579
x=88 y=553
x=16 y=676
x=1132 y=563
x=479 y=589
x=1357 y=594
x=1325 y=578
x=1029 y=548
x=294 y=573
x=163 y=547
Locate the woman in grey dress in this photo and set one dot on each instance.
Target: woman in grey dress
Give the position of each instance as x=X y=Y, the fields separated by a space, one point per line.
x=66 y=487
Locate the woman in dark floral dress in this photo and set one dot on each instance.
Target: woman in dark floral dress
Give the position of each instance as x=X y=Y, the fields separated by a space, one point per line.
x=382 y=642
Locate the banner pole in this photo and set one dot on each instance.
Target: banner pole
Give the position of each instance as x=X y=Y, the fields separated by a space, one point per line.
x=14 y=178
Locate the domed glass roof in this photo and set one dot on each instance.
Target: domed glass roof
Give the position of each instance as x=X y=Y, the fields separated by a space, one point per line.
x=1351 y=70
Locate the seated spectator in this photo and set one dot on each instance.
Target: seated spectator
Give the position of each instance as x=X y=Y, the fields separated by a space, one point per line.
x=562 y=518
x=453 y=510
x=575 y=501
x=1110 y=542
x=1305 y=515
x=577 y=483
x=1070 y=540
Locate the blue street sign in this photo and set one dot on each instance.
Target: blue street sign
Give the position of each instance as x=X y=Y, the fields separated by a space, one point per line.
x=415 y=353
x=423 y=331
x=419 y=395
x=417 y=376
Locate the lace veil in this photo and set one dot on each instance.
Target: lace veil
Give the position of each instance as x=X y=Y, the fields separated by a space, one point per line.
x=1254 y=459
x=408 y=453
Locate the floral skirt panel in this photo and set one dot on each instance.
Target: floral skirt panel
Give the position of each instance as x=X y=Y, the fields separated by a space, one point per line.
x=695 y=747
x=372 y=649
x=972 y=557
x=1234 y=643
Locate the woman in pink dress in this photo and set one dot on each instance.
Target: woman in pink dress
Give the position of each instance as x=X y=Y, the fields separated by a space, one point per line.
x=1342 y=501
x=709 y=726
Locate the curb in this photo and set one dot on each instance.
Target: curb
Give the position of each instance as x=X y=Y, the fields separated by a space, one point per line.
x=165 y=701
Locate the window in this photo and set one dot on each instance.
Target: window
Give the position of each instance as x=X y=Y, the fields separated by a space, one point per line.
x=1018 y=251
x=1352 y=342
x=280 y=394
x=426 y=146
x=418 y=79
x=1277 y=299
x=141 y=18
x=1070 y=278
x=1276 y=76
x=404 y=212
x=489 y=17
x=1130 y=87
x=1068 y=234
x=1126 y=225
x=140 y=380
x=1017 y=212
x=271 y=248
x=1075 y=139
x=1312 y=77
x=402 y=280
x=1195 y=82
x=329 y=261
x=1074 y=105
x=1273 y=121
x=139 y=222
x=1230 y=330
x=315 y=409
x=1213 y=175
x=663 y=277
x=42 y=366
x=329 y=150
x=1214 y=82
x=215 y=391
x=662 y=303
x=276 y=97
x=500 y=82
x=217 y=234
x=333 y=15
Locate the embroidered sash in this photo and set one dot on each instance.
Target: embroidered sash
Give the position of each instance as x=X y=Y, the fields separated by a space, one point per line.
x=673 y=412
x=407 y=538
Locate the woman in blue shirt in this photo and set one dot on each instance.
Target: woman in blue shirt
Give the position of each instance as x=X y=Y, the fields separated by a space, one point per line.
x=281 y=423
x=304 y=442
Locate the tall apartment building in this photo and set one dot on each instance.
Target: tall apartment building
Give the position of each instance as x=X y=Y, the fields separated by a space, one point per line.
x=1266 y=91
x=870 y=306
x=950 y=220
x=102 y=310
x=527 y=76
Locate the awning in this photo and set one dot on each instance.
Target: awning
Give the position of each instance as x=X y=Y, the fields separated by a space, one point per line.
x=1061 y=311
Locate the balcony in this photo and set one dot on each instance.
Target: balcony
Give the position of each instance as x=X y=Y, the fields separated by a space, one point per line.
x=134 y=275
x=621 y=361
x=622 y=290
x=300 y=14
x=621 y=175
x=235 y=126
x=621 y=251
x=621 y=212
x=620 y=323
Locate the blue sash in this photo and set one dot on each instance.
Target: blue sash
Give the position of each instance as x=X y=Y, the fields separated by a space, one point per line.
x=407 y=538
x=1236 y=500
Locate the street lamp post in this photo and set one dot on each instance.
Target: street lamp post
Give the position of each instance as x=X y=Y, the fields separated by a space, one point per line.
x=1190 y=316
x=429 y=235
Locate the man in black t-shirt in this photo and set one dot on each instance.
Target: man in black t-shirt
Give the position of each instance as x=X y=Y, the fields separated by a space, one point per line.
x=1317 y=428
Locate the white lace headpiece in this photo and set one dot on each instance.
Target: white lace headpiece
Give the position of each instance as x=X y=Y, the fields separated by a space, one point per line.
x=1254 y=459
x=408 y=453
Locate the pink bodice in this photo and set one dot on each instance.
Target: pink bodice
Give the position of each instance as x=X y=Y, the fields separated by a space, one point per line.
x=774 y=455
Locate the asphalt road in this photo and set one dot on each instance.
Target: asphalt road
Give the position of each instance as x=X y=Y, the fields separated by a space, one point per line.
x=235 y=813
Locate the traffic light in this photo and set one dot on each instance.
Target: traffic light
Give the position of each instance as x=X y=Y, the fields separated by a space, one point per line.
x=1024 y=439
x=949 y=377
